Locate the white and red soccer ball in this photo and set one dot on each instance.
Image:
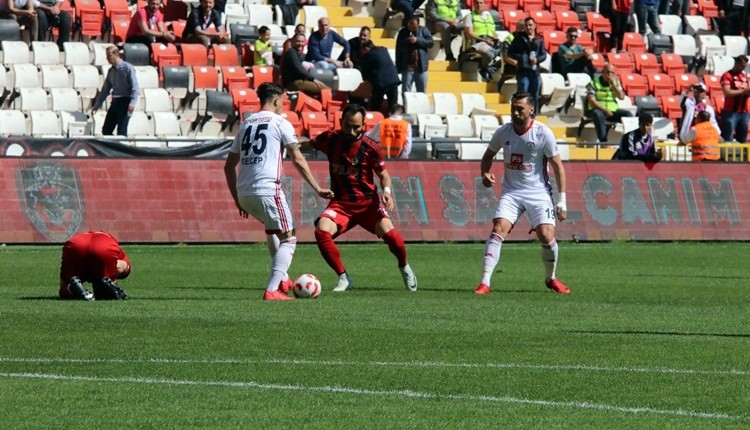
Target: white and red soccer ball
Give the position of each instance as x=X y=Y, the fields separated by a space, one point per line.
x=307 y=287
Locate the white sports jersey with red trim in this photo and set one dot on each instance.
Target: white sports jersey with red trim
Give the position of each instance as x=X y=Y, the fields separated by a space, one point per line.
x=260 y=142
x=524 y=156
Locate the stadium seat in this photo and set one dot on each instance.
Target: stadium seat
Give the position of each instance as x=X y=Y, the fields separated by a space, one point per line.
x=431 y=125
x=459 y=126
x=417 y=103
x=372 y=118
x=314 y=123
x=45 y=53
x=147 y=77
x=234 y=77
x=97 y=121
x=629 y=123
x=55 y=76
x=445 y=104
x=140 y=127
x=136 y=54
x=333 y=101
x=659 y=44
x=672 y=64
x=91 y=22
x=194 y=54
x=694 y=24
x=176 y=80
x=45 y=123
x=671 y=107
x=597 y=23
x=624 y=63
x=306 y=103
x=670 y=24
x=100 y=53
x=511 y=17
x=312 y=15
x=74 y=124
x=472 y=101
x=633 y=43
x=163 y=55
x=598 y=61
x=76 y=54
x=261 y=74
x=293 y=118
x=166 y=125
x=348 y=79
x=708 y=46
x=553 y=40
x=586 y=40
x=234 y=13
x=648 y=104
x=530 y=6
x=646 y=64
x=178 y=28
x=634 y=85
x=712 y=83
x=119 y=31
x=25 y=76
x=156 y=100
x=205 y=77
x=566 y=19
x=554 y=92
x=243 y=33
x=736 y=45
x=33 y=99
x=684 y=81
x=64 y=99
x=708 y=8
x=10 y=31
x=719 y=64
x=86 y=82
x=662 y=128
x=219 y=115
x=15 y=52
x=717 y=101
x=660 y=85
x=557 y=5
x=245 y=100
x=12 y=122
x=484 y=126
x=324 y=75
x=225 y=55
x=545 y=20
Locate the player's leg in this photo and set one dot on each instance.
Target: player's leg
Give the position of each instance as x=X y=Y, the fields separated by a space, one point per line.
x=273 y=242
x=73 y=268
x=507 y=212
x=376 y=221
x=331 y=223
x=103 y=256
x=542 y=213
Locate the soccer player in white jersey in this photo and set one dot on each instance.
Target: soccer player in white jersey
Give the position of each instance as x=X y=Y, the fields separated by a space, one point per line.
x=528 y=146
x=258 y=150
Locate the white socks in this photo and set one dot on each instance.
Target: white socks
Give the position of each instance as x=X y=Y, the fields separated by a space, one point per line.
x=281 y=261
x=549 y=258
x=491 y=256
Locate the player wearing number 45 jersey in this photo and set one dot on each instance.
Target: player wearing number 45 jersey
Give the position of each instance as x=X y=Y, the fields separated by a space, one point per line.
x=527 y=146
x=256 y=186
x=353 y=161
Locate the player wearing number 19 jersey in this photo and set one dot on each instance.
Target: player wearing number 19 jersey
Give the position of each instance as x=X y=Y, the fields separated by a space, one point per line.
x=528 y=146
x=253 y=172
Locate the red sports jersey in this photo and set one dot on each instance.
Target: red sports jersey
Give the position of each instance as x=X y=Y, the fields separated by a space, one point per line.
x=91 y=256
x=739 y=81
x=351 y=166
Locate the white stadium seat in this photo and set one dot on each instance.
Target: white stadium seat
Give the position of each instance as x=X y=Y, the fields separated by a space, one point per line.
x=259 y=14
x=15 y=52
x=417 y=103
x=156 y=100
x=86 y=82
x=55 y=76
x=459 y=126
x=736 y=45
x=166 y=125
x=670 y=24
x=445 y=104
x=12 y=122
x=489 y=123
x=25 y=76
x=313 y=14
x=348 y=79
x=45 y=53
x=76 y=54
x=432 y=123
x=33 y=99
x=695 y=23
x=471 y=101
x=45 y=124
x=147 y=77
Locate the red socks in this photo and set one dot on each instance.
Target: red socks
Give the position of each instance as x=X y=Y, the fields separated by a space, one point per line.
x=396 y=245
x=329 y=251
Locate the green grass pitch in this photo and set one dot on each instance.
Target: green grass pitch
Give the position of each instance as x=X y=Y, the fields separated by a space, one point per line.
x=653 y=335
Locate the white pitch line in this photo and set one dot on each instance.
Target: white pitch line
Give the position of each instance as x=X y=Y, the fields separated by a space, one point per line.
x=663 y=370
x=397 y=393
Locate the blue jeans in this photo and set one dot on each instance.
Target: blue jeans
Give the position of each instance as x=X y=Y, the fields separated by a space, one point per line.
x=734 y=122
x=325 y=65
x=419 y=80
x=646 y=14
x=407 y=7
x=600 y=121
x=530 y=83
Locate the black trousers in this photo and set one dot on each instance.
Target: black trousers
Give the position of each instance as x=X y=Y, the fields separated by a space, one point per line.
x=376 y=101
x=117 y=116
x=61 y=21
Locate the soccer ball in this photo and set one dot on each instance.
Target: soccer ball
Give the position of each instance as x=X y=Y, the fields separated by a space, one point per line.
x=307 y=287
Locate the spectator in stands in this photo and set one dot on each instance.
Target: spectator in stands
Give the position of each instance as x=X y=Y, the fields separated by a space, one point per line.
x=443 y=18
x=572 y=57
x=603 y=93
x=394 y=134
x=528 y=50
x=147 y=26
x=645 y=13
x=49 y=14
x=263 y=52
x=479 y=31
x=380 y=71
x=618 y=18
x=407 y=7
x=734 y=17
x=412 y=59
x=355 y=48
x=694 y=103
x=294 y=75
x=703 y=138
x=639 y=143
x=23 y=12
x=734 y=116
x=123 y=85
x=509 y=68
x=201 y=19
x=299 y=29
x=320 y=47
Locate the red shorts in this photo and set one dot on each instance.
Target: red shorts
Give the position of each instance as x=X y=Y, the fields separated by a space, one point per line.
x=348 y=215
x=90 y=256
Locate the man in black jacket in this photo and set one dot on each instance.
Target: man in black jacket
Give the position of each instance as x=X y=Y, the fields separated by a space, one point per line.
x=528 y=50
x=381 y=73
x=294 y=76
x=412 y=58
x=355 y=49
x=734 y=17
x=199 y=22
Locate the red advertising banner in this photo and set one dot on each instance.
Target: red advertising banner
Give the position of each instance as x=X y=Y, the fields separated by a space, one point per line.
x=141 y=200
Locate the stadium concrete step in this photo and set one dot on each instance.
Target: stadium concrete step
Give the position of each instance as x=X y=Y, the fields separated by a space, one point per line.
x=494 y=98
x=353 y=21
x=458 y=87
x=590 y=152
x=442 y=66
x=444 y=76
x=384 y=42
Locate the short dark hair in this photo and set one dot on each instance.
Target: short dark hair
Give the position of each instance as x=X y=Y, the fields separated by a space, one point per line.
x=267 y=91
x=740 y=59
x=704 y=116
x=572 y=30
x=365 y=28
x=369 y=44
x=353 y=109
x=645 y=118
x=396 y=108
x=263 y=29
x=529 y=19
x=521 y=95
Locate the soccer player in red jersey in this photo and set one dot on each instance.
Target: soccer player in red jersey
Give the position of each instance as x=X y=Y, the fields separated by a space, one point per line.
x=94 y=257
x=354 y=159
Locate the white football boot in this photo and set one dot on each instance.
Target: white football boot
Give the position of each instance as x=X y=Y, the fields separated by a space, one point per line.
x=410 y=280
x=345 y=283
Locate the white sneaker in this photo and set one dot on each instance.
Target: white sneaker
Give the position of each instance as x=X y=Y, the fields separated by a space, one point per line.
x=345 y=283
x=410 y=280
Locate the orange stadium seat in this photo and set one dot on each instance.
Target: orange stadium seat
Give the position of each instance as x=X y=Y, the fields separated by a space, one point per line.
x=245 y=100
x=194 y=54
x=82 y=5
x=708 y=8
x=178 y=28
x=164 y=55
x=717 y=101
x=557 y=5
x=314 y=123
x=597 y=23
x=566 y=19
x=712 y=83
x=234 y=77
x=263 y=74
x=598 y=61
x=545 y=20
x=205 y=77
x=531 y=5
x=92 y=21
x=552 y=40
x=671 y=107
x=672 y=64
x=585 y=40
x=660 y=85
x=306 y=103
x=502 y=5
x=334 y=119
x=372 y=118
x=684 y=81
x=511 y=17
x=225 y=55
x=634 y=85
x=294 y=120
x=624 y=63
x=333 y=100
x=646 y=64
x=633 y=43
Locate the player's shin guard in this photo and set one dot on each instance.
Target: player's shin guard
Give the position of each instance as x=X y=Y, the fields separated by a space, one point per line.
x=281 y=262
x=549 y=258
x=329 y=251
x=491 y=256
x=396 y=246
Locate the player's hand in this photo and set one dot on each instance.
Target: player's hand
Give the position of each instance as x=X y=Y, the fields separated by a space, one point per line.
x=243 y=212
x=325 y=193
x=561 y=208
x=488 y=179
x=387 y=201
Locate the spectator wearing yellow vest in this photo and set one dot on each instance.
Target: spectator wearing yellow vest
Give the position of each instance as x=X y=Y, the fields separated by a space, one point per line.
x=479 y=33
x=443 y=18
x=639 y=143
x=602 y=96
x=394 y=134
x=704 y=139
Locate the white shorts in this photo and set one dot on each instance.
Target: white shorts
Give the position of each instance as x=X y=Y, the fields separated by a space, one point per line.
x=539 y=206
x=272 y=211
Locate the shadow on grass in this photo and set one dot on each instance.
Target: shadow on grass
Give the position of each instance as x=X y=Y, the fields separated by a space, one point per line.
x=658 y=333
x=40 y=298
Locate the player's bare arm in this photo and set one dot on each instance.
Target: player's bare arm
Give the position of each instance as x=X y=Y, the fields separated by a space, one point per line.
x=230 y=172
x=299 y=162
x=488 y=179
x=561 y=206
x=385 y=197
